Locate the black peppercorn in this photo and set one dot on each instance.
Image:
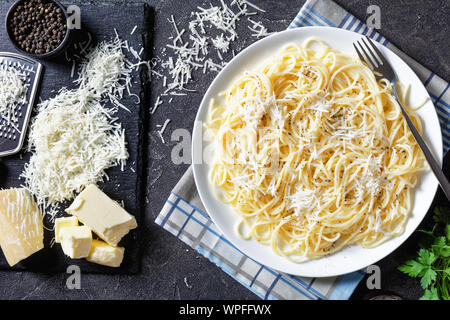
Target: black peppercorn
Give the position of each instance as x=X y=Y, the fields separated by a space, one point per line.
x=38 y=26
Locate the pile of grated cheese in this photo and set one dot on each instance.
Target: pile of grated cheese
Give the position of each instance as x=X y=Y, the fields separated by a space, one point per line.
x=74 y=138
x=73 y=142
x=193 y=54
x=106 y=72
x=13 y=89
x=202 y=45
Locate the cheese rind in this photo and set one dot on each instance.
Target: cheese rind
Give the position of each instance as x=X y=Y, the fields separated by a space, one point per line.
x=105 y=254
x=21 y=226
x=61 y=223
x=76 y=241
x=104 y=216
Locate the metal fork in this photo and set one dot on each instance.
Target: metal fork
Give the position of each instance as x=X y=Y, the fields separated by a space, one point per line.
x=382 y=69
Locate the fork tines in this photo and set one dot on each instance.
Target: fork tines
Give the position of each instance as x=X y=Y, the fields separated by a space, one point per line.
x=371 y=55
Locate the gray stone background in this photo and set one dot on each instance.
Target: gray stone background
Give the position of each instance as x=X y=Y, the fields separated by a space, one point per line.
x=172 y=270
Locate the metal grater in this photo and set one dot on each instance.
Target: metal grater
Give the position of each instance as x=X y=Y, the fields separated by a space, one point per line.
x=12 y=138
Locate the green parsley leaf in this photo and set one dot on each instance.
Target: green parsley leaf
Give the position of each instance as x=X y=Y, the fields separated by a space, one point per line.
x=432 y=264
x=430 y=294
x=440 y=241
x=442 y=215
x=428 y=276
x=440 y=247
x=426 y=257
x=412 y=268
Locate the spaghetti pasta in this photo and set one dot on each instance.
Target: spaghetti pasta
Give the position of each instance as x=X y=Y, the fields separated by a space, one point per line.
x=313 y=153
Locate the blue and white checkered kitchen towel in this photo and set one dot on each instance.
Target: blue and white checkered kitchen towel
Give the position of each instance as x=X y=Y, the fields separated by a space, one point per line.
x=185 y=216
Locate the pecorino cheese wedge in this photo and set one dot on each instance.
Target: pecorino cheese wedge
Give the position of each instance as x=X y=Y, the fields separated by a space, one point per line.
x=21 y=227
x=104 y=216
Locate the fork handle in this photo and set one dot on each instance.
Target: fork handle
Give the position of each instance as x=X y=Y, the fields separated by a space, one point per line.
x=435 y=167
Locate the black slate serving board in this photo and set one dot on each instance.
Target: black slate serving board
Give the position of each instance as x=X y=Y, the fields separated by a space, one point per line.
x=99 y=20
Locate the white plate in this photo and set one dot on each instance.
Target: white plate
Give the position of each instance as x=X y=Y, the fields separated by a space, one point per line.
x=351 y=258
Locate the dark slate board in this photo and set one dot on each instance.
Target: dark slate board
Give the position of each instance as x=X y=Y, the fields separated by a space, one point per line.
x=99 y=20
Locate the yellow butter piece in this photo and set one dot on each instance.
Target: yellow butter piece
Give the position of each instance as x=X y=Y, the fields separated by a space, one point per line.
x=104 y=216
x=77 y=203
x=105 y=254
x=61 y=223
x=76 y=241
x=21 y=227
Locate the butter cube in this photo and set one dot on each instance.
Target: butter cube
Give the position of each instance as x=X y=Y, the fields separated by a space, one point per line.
x=104 y=216
x=21 y=227
x=76 y=241
x=61 y=223
x=104 y=254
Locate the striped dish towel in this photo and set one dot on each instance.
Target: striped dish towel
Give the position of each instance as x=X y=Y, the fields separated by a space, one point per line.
x=185 y=216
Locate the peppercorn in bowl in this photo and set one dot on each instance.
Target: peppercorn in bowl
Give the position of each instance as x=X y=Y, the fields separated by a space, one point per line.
x=38 y=27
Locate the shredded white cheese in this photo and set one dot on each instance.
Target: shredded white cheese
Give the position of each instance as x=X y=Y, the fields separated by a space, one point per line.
x=259 y=31
x=163 y=128
x=73 y=141
x=74 y=138
x=13 y=89
x=189 y=48
x=105 y=71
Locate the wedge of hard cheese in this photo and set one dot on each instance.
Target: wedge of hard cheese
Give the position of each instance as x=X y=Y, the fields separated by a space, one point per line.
x=104 y=216
x=21 y=227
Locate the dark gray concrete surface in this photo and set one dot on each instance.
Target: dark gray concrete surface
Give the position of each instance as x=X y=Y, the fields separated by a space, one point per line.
x=172 y=270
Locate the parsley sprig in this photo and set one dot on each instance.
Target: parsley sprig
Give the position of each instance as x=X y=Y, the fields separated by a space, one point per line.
x=432 y=264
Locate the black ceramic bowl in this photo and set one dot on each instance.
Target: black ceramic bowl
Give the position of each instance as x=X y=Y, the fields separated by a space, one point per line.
x=52 y=54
